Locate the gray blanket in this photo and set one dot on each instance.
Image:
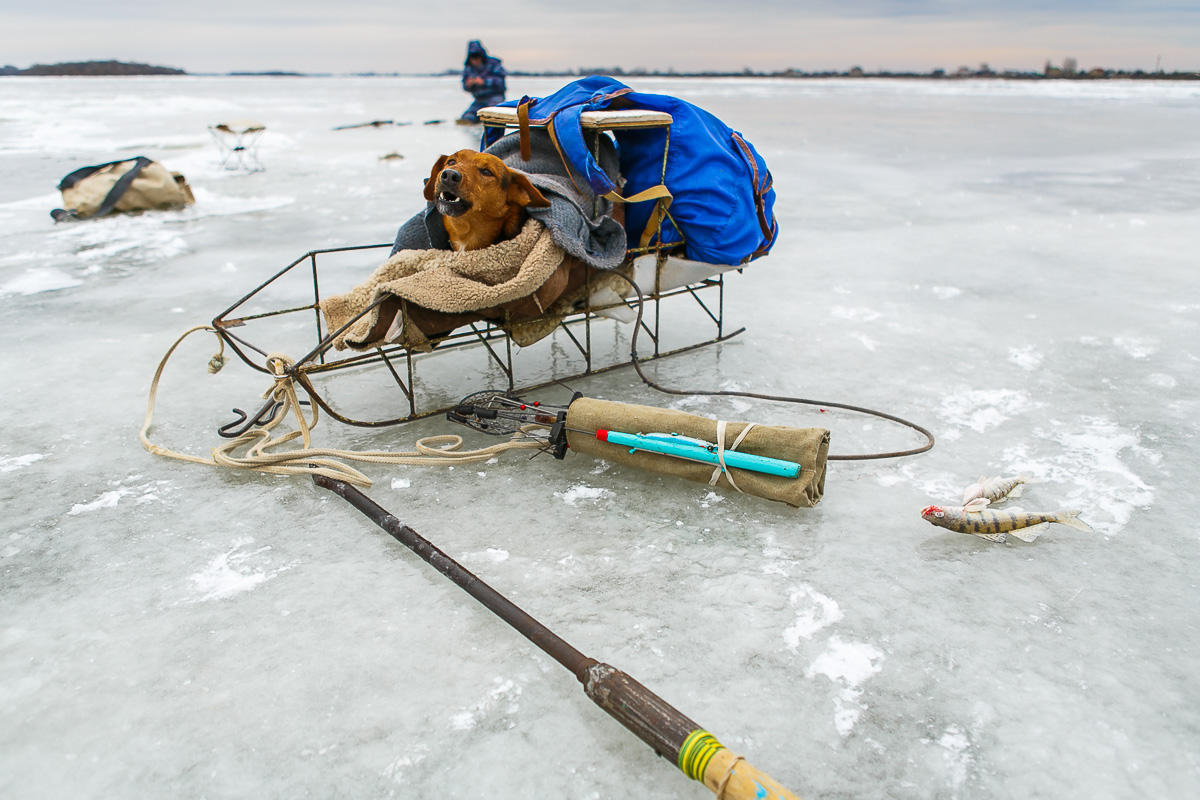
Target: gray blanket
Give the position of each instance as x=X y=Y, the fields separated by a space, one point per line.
x=593 y=237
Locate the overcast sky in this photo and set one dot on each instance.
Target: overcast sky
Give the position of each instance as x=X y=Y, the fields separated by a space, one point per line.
x=417 y=37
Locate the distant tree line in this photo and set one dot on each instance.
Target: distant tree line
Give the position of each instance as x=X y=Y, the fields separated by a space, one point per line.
x=92 y=68
x=1069 y=70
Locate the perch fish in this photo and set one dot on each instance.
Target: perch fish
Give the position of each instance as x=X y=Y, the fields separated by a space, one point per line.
x=997 y=488
x=977 y=519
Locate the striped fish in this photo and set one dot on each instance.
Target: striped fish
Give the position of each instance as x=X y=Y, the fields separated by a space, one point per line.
x=977 y=519
x=997 y=489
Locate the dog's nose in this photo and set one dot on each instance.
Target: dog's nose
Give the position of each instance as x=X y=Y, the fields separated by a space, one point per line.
x=451 y=177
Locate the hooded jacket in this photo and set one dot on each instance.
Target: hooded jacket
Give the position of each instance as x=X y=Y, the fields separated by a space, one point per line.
x=492 y=72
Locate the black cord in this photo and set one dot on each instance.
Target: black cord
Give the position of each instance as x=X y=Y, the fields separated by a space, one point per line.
x=777 y=398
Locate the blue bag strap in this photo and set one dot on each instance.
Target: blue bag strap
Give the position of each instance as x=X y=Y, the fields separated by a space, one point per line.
x=568 y=133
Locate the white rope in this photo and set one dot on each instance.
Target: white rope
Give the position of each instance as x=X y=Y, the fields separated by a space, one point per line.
x=721 y=453
x=263 y=456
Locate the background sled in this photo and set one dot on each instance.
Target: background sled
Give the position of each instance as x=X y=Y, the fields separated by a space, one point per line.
x=272 y=318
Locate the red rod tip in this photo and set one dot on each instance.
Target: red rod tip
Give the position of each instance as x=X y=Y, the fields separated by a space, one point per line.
x=602 y=435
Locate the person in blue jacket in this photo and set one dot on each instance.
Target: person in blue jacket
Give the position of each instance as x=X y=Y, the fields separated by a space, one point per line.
x=482 y=76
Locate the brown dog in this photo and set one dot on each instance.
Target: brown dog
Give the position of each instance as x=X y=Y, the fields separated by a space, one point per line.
x=481 y=200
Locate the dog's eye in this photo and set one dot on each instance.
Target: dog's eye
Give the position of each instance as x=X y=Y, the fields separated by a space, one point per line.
x=485 y=171
x=451 y=163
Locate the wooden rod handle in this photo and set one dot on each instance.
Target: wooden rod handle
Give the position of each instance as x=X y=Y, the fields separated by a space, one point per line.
x=731 y=777
x=676 y=738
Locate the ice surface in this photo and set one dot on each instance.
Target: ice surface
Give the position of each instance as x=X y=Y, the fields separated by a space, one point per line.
x=1011 y=264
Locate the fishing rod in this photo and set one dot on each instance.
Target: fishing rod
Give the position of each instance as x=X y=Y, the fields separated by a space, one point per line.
x=379 y=123
x=669 y=733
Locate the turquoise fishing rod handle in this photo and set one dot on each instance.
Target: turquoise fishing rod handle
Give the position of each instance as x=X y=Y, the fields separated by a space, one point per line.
x=690 y=450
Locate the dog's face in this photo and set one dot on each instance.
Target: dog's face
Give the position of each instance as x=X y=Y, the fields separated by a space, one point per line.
x=481 y=200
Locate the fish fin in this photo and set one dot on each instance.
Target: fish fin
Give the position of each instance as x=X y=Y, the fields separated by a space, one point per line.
x=1071 y=520
x=998 y=538
x=978 y=504
x=971 y=492
x=1017 y=491
x=1032 y=532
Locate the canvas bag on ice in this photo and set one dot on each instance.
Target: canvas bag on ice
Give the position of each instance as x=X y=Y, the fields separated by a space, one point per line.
x=721 y=194
x=137 y=184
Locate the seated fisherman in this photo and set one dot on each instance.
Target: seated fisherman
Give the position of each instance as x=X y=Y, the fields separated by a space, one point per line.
x=482 y=76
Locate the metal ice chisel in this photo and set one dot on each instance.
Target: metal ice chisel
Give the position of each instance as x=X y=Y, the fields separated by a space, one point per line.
x=696 y=450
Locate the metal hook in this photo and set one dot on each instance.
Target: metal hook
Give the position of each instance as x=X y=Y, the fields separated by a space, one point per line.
x=265 y=416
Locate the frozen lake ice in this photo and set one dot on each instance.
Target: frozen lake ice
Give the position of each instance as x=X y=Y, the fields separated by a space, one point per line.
x=1011 y=264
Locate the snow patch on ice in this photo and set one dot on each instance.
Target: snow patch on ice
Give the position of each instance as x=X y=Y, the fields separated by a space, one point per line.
x=814 y=612
x=938 y=484
x=35 y=281
x=848 y=664
x=854 y=314
x=212 y=204
x=492 y=555
x=228 y=575
x=501 y=700
x=692 y=401
x=106 y=500
x=1091 y=461
x=1162 y=381
x=19 y=462
x=415 y=755
x=955 y=744
x=980 y=409
x=867 y=341
x=1135 y=347
x=112 y=498
x=401 y=483
x=946 y=292
x=1027 y=358
x=579 y=492
x=129 y=240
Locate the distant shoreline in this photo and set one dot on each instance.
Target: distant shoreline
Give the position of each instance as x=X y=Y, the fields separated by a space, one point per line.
x=1051 y=73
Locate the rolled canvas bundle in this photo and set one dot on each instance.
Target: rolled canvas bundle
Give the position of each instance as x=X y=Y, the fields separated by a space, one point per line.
x=808 y=447
x=137 y=184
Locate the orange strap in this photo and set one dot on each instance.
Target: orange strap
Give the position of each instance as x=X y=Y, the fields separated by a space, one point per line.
x=523 y=124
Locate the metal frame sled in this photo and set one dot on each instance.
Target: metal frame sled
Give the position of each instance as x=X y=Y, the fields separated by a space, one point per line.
x=480 y=353
x=238 y=142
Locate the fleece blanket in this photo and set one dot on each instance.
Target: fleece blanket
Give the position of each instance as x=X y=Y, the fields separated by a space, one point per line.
x=451 y=282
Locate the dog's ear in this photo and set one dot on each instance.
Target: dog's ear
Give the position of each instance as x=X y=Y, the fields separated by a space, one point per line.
x=431 y=181
x=524 y=193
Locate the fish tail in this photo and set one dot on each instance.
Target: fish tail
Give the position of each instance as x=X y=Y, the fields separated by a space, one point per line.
x=1016 y=492
x=1071 y=520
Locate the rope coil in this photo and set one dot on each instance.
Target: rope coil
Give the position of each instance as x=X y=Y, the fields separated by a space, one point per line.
x=263 y=454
